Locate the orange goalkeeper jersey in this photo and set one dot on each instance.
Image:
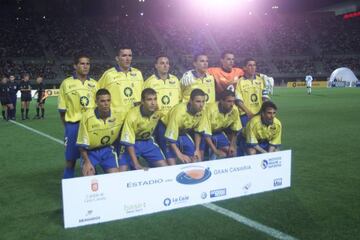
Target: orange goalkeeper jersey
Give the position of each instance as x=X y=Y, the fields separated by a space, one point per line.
x=225 y=80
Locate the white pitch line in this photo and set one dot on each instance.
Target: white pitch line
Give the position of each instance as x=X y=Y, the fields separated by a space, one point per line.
x=233 y=215
x=248 y=222
x=38 y=132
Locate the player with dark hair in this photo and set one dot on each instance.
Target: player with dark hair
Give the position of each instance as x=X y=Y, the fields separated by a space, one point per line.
x=14 y=88
x=41 y=98
x=182 y=121
x=7 y=107
x=25 y=89
x=226 y=76
x=99 y=129
x=124 y=82
x=76 y=96
x=168 y=93
x=198 y=78
x=263 y=131
x=137 y=133
x=223 y=121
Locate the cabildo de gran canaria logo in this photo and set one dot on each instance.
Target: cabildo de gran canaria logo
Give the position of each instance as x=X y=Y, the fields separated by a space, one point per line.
x=193 y=175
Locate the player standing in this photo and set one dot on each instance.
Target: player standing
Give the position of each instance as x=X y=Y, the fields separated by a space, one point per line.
x=308 y=80
x=198 y=78
x=76 y=96
x=226 y=76
x=124 y=82
x=41 y=98
x=25 y=89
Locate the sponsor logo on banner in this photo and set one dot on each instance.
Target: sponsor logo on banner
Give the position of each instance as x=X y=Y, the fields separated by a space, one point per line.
x=134 y=207
x=246 y=187
x=193 y=175
x=218 y=193
x=277 y=182
x=175 y=200
x=203 y=195
x=94 y=185
x=88 y=217
x=231 y=169
x=144 y=183
x=271 y=163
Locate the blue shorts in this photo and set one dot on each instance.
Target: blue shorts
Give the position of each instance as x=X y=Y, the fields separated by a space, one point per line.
x=185 y=144
x=220 y=140
x=71 y=150
x=106 y=157
x=159 y=133
x=265 y=145
x=146 y=149
x=244 y=120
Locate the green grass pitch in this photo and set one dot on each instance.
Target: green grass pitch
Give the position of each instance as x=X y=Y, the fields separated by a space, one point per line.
x=322 y=129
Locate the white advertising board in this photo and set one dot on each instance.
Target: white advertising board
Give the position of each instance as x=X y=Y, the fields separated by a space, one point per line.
x=107 y=197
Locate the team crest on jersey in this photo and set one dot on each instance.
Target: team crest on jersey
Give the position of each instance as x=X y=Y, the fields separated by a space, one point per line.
x=128 y=92
x=145 y=135
x=84 y=101
x=105 y=140
x=112 y=120
x=253 y=97
x=165 y=100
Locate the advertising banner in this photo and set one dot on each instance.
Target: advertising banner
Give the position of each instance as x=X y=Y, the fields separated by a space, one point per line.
x=107 y=197
x=315 y=84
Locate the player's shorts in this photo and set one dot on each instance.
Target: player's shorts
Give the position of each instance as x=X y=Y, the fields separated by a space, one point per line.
x=71 y=149
x=5 y=101
x=185 y=144
x=106 y=157
x=263 y=144
x=41 y=101
x=220 y=140
x=159 y=133
x=25 y=97
x=146 y=149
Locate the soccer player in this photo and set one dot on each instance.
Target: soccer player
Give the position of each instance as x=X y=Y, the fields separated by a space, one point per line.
x=168 y=93
x=224 y=120
x=198 y=78
x=263 y=132
x=124 y=82
x=5 y=99
x=137 y=133
x=41 y=98
x=183 y=120
x=25 y=89
x=99 y=128
x=76 y=96
x=14 y=88
x=226 y=76
x=250 y=92
x=308 y=80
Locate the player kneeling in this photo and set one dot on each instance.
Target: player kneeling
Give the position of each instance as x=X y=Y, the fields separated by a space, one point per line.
x=99 y=129
x=263 y=131
x=136 y=136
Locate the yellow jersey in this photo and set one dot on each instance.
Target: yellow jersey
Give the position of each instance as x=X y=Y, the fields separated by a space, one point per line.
x=256 y=131
x=219 y=121
x=95 y=132
x=251 y=92
x=180 y=121
x=76 y=97
x=207 y=84
x=137 y=126
x=168 y=91
x=125 y=88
